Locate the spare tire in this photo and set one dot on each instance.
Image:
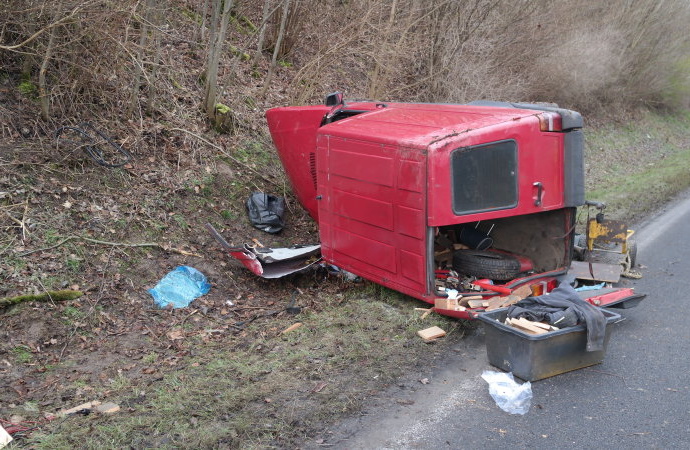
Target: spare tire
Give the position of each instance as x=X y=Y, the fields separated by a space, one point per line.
x=486 y=264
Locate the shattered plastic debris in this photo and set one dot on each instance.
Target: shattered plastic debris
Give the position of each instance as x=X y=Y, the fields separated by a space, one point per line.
x=510 y=396
x=180 y=287
x=266 y=212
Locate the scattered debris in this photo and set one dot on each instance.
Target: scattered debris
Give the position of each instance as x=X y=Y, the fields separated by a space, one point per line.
x=107 y=408
x=267 y=262
x=426 y=312
x=424 y=381
x=88 y=406
x=5 y=437
x=180 y=287
x=583 y=270
x=448 y=303
x=510 y=396
x=429 y=334
x=292 y=327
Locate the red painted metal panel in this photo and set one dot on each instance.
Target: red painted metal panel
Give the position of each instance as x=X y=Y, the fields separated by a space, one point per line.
x=362 y=165
x=367 y=251
x=411 y=176
x=363 y=209
x=408 y=220
x=294 y=131
x=412 y=266
x=540 y=159
x=373 y=210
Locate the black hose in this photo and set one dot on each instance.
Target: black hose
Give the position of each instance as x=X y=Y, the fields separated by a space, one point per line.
x=85 y=140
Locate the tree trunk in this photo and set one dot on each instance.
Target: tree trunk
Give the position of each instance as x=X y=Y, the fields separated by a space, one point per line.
x=44 y=96
x=215 y=50
x=139 y=62
x=262 y=29
x=157 y=22
x=276 y=49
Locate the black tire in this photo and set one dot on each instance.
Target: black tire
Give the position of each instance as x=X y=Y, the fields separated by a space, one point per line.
x=486 y=264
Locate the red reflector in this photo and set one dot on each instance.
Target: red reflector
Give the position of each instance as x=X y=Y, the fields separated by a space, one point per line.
x=549 y=121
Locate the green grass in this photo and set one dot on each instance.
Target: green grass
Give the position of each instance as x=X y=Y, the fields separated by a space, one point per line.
x=636 y=168
x=235 y=394
x=22 y=354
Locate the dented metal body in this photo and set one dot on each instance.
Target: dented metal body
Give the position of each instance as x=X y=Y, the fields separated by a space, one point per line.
x=393 y=185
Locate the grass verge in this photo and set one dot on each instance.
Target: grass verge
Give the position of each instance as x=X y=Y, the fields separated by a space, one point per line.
x=266 y=389
x=636 y=168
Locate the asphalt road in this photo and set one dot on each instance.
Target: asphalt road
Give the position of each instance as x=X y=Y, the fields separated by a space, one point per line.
x=639 y=397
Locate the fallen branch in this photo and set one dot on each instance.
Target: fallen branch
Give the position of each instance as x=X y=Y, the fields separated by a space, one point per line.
x=166 y=248
x=56 y=296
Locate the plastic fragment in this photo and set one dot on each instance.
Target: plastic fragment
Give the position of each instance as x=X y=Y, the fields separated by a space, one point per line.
x=510 y=396
x=180 y=287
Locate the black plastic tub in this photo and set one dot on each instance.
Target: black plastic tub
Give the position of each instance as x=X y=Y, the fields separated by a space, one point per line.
x=535 y=357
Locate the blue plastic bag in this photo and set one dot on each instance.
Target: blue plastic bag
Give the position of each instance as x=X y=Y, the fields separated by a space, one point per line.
x=180 y=287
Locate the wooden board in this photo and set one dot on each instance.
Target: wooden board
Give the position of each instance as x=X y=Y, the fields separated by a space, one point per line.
x=431 y=333
x=526 y=326
x=523 y=291
x=495 y=303
x=610 y=273
x=479 y=303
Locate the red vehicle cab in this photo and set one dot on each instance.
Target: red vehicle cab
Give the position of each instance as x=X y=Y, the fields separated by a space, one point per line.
x=428 y=199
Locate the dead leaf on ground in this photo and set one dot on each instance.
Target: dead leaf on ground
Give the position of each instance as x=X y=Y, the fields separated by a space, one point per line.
x=175 y=334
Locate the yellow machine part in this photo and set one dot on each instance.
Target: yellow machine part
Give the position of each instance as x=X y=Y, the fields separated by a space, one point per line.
x=608 y=231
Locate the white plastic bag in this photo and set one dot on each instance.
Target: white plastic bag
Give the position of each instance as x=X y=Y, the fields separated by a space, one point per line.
x=510 y=396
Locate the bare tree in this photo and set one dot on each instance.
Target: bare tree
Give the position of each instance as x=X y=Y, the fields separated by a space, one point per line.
x=276 y=49
x=219 y=26
x=43 y=94
x=262 y=29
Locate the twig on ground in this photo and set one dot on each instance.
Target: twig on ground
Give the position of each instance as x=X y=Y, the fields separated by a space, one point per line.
x=612 y=374
x=166 y=248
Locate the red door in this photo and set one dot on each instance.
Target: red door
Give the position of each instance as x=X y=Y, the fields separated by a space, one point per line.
x=372 y=211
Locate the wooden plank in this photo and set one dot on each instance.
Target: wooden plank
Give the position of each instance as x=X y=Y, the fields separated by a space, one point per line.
x=480 y=303
x=545 y=326
x=529 y=325
x=431 y=333
x=446 y=303
x=87 y=405
x=495 y=303
x=510 y=300
x=462 y=301
x=514 y=323
x=523 y=291
x=292 y=327
x=107 y=408
x=610 y=273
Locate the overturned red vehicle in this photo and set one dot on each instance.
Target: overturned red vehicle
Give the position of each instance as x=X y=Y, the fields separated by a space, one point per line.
x=432 y=200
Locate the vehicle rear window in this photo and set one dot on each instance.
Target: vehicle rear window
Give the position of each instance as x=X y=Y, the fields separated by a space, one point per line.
x=484 y=177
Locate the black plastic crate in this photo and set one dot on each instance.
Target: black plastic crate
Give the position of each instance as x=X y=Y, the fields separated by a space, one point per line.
x=535 y=357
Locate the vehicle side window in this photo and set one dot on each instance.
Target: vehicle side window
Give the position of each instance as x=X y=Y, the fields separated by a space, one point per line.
x=484 y=177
